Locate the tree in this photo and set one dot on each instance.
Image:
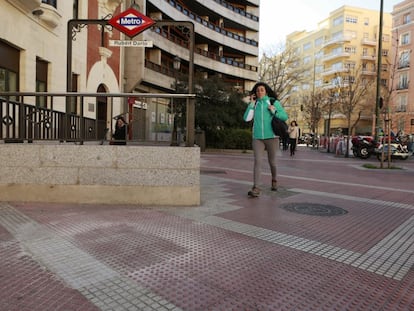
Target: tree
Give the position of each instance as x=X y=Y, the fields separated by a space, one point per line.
x=281 y=70
x=356 y=95
x=218 y=106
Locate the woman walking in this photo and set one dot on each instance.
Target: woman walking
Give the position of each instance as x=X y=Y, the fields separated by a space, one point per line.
x=293 y=131
x=262 y=106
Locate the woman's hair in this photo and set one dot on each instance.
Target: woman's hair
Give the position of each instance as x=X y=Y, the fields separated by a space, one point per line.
x=269 y=91
x=121 y=118
x=294 y=123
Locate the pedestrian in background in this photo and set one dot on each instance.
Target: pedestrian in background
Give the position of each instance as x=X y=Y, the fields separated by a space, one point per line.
x=262 y=106
x=294 y=133
x=120 y=132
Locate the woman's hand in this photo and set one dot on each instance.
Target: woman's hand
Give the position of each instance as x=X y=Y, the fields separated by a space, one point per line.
x=272 y=108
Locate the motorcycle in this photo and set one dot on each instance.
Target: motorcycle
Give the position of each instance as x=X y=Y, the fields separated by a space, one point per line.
x=397 y=151
x=363 y=146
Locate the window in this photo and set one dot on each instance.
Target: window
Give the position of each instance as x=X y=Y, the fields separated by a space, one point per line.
x=338 y=21
x=307 y=46
x=406 y=18
x=337 y=35
x=318 y=55
x=307 y=60
x=366 y=21
x=337 y=66
x=318 y=68
x=337 y=50
x=402 y=103
x=8 y=80
x=350 y=65
x=50 y=2
x=403 y=81
x=351 y=19
x=404 y=59
x=318 y=41
x=350 y=49
x=384 y=53
x=41 y=82
x=405 y=39
x=9 y=68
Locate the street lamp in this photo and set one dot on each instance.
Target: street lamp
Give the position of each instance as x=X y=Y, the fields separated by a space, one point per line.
x=378 y=93
x=177 y=66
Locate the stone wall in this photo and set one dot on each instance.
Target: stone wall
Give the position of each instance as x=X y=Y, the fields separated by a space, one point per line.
x=106 y=174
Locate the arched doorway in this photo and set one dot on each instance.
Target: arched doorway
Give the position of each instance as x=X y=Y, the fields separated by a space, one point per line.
x=101 y=113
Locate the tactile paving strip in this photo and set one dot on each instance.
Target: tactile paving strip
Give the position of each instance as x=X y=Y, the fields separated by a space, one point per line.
x=103 y=286
x=392 y=257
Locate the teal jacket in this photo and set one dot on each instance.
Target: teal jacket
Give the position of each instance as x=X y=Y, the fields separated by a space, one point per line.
x=262 y=117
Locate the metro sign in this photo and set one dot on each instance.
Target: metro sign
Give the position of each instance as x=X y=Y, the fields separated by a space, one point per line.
x=131 y=22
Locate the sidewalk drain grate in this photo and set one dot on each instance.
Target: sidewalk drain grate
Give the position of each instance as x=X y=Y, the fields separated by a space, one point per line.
x=314 y=209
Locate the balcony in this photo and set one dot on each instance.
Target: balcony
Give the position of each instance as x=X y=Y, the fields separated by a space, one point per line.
x=368 y=42
x=338 y=40
x=237 y=10
x=333 y=56
x=369 y=57
x=193 y=16
x=209 y=55
x=367 y=72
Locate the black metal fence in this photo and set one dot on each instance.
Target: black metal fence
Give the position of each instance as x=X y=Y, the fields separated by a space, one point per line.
x=24 y=119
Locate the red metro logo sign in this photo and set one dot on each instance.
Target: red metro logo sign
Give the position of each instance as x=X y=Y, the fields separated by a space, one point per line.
x=131 y=22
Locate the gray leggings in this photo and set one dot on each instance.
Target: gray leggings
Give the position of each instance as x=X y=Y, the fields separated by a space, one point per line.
x=259 y=147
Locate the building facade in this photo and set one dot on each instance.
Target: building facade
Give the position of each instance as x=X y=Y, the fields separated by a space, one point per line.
x=338 y=58
x=402 y=92
x=226 y=44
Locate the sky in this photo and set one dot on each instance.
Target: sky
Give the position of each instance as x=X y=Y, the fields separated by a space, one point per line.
x=280 y=18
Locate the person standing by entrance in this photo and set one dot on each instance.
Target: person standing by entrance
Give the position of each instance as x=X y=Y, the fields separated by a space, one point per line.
x=262 y=106
x=120 y=133
x=293 y=131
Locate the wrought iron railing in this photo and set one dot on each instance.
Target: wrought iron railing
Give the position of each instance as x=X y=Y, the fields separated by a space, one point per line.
x=22 y=120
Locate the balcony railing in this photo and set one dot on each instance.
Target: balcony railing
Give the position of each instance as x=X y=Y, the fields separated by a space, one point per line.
x=211 y=55
x=238 y=10
x=210 y=25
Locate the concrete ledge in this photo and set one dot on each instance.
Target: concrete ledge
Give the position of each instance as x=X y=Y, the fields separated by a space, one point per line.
x=99 y=194
x=100 y=174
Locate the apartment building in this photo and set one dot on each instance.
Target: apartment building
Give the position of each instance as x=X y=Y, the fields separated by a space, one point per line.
x=340 y=52
x=34 y=53
x=402 y=92
x=226 y=44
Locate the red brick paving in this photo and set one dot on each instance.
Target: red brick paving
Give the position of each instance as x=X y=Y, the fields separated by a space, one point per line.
x=196 y=266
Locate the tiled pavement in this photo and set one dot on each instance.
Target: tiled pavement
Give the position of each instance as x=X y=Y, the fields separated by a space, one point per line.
x=286 y=250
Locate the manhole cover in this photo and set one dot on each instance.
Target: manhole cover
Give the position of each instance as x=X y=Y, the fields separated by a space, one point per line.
x=314 y=209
